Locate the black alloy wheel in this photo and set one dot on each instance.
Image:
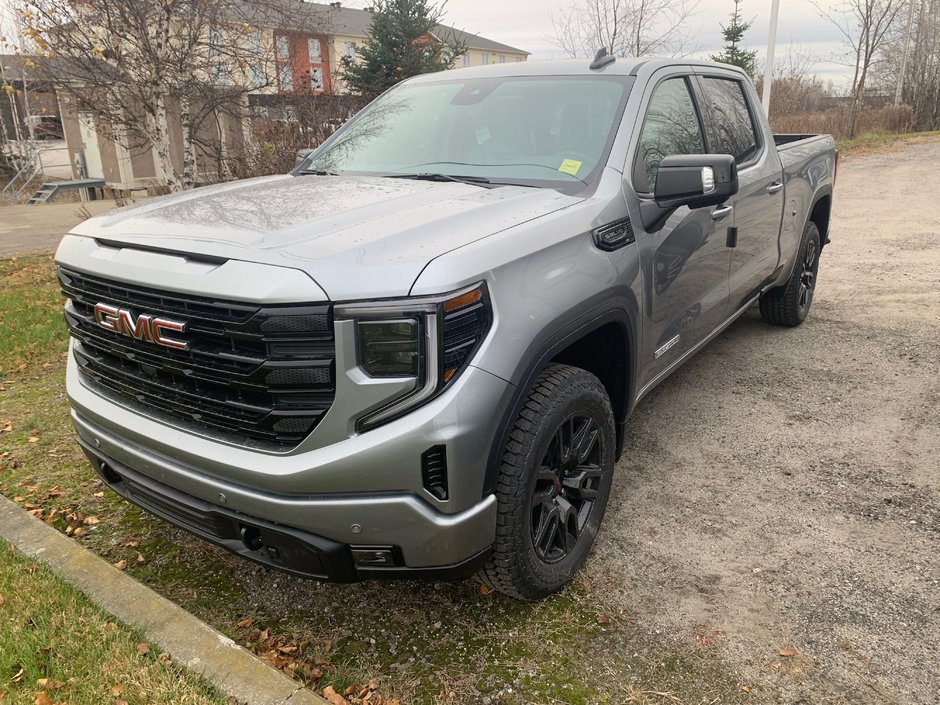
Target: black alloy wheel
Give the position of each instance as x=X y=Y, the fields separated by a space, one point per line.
x=566 y=487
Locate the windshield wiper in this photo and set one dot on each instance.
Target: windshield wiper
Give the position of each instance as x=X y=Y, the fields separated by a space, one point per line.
x=318 y=172
x=473 y=180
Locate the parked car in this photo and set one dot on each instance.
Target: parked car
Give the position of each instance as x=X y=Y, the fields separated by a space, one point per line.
x=418 y=353
x=43 y=127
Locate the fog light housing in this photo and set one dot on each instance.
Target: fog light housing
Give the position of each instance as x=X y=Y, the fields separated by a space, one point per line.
x=373 y=556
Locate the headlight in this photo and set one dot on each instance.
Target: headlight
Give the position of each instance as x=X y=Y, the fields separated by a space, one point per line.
x=389 y=349
x=430 y=339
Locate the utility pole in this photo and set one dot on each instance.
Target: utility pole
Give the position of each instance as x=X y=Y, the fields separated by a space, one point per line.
x=769 y=64
x=898 y=94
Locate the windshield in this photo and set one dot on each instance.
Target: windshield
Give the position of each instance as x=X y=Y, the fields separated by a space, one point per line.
x=553 y=131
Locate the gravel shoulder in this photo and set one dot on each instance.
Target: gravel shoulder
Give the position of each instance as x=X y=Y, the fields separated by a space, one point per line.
x=782 y=490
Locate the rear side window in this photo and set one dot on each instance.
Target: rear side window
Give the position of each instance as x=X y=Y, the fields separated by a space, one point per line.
x=731 y=128
x=671 y=127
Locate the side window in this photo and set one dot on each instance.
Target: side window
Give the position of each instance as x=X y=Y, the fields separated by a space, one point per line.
x=671 y=127
x=731 y=128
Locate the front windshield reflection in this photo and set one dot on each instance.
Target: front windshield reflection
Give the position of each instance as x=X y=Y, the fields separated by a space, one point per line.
x=534 y=129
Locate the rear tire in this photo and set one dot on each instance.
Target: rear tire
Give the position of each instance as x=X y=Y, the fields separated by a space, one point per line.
x=553 y=484
x=789 y=304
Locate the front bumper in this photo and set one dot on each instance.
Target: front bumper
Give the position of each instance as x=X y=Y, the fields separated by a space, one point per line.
x=273 y=545
x=362 y=491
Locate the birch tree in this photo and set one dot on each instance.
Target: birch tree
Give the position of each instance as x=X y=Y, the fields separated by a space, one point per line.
x=626 y=27
x=129 y=62
x=866 y=26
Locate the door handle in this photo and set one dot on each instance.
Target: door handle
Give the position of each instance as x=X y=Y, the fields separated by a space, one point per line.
x=722 y=212
x=775 y=187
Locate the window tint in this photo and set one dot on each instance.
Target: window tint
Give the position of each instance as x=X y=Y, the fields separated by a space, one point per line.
x=671 y=127
x=732 y=129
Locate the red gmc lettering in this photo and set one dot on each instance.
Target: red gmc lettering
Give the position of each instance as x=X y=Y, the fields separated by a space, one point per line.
x=161 y=324
x=139 y=329
x=144 y=327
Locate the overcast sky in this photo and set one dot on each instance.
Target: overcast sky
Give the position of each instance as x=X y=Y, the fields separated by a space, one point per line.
x=527 y=24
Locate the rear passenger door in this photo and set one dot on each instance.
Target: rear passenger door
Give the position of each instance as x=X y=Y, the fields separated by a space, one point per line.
x=685 y=264
x=731 y=128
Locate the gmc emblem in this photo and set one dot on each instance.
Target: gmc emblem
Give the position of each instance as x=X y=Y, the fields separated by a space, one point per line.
x=144 y=327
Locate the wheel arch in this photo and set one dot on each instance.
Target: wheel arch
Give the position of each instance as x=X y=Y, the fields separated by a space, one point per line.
x=821 y=214
x=603 y=344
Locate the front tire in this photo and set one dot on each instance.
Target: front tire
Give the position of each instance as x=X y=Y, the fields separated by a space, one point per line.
x=553 y=484
x=789 y=304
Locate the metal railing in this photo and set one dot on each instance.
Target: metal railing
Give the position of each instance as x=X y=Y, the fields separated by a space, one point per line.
x=31 y=168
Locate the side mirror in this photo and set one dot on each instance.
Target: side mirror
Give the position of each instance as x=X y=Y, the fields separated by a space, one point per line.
x=696 y=180
x=693 y=180
x=302 y=154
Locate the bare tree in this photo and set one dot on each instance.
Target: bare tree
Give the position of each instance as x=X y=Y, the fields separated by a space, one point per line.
x=866 y=26
x=131 y=62
x=625 y=27
x=910 y=64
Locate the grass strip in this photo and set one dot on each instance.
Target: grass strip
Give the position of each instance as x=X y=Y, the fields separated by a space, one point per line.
x=57 y=647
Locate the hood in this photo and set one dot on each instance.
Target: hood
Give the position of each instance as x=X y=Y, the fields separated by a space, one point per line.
x=357 y=237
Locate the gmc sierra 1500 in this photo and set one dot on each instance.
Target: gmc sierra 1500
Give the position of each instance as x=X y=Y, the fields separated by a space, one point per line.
x=417 y=353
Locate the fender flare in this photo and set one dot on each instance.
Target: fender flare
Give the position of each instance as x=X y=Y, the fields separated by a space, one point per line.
x=538 y=356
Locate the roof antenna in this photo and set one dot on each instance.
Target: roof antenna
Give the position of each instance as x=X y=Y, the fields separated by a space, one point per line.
x=602 y=59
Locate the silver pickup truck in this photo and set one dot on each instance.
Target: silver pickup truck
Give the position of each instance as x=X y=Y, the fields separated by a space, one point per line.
x=416 y=355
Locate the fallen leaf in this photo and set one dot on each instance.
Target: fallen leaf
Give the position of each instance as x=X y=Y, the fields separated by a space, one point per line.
x=99 y=494
x=42 y=698
x=787 y=652
x=333 y=697
x=35 y=439
x=50 y=683
x=121 y=564
x=486 y=590
x=140 y=559
x=165 y=658
x=91 y=521
x=350 y=690
x=244 y=623
x=143 y=649
x=18 y=677
x=745 y=689
x=602 y=619
x=118 y=690
x=132 y=544
x=1 y=599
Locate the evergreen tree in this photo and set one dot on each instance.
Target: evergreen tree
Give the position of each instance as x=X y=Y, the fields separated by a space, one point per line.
x=401 y=45
x=734 y=35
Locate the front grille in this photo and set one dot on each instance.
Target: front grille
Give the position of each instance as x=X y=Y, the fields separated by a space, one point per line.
x=252 y=374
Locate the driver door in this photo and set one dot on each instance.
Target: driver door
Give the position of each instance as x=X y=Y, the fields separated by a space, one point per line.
x=686 y=263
